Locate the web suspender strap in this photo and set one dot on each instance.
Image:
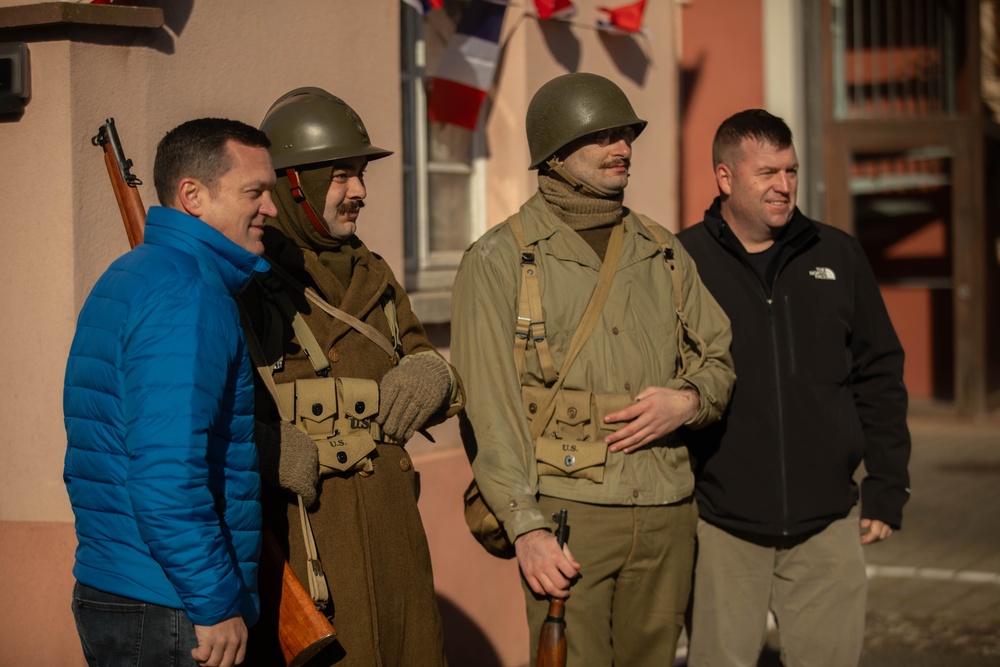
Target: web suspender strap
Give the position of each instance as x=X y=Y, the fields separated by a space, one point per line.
x=318 y=588
x=530 y=326
x=367 y=330
x=591 y=315
x=274 y=290
x=684 y=331
x=263 y=368
x=389 y=306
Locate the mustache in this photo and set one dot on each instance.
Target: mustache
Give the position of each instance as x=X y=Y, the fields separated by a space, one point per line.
x=617 y=162
x=350 y=206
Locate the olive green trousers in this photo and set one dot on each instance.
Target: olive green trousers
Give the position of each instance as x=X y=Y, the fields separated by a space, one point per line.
x=627 y=606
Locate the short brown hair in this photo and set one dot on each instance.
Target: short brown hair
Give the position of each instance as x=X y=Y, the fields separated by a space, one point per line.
x=755 y=124
x=197 y=149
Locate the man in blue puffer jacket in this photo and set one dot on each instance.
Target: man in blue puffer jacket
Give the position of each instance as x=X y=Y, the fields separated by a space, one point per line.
x=161 y=464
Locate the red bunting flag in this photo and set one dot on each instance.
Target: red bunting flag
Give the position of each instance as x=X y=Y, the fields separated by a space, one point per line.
x=627 y=18
x=424 y=6
x=555 y=9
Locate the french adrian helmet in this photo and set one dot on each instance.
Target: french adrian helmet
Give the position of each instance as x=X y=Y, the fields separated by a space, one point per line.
x=311 y=126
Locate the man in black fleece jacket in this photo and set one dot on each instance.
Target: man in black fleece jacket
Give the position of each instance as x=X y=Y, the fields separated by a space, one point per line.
x=819 y=390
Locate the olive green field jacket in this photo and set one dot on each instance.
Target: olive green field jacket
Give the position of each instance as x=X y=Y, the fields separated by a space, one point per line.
x=632 y=347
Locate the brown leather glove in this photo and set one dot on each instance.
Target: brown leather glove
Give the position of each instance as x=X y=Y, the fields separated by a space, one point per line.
x=411 y=392
x=289 y=459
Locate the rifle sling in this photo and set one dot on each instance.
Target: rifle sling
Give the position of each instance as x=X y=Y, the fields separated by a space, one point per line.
x=684 y=333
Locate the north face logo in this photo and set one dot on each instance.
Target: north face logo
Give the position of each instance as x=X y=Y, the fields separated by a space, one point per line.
x=823 y=273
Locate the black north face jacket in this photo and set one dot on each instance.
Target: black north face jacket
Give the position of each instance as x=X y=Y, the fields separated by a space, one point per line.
x=819 y=386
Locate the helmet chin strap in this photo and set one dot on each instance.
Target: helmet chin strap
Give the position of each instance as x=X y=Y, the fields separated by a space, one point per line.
x=299 y=195
x=556 y=167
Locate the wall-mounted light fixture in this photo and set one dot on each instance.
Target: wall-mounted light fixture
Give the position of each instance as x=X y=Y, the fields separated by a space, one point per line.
x=15 y=77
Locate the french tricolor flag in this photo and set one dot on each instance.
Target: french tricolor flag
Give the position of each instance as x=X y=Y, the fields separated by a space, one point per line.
x=467 y=66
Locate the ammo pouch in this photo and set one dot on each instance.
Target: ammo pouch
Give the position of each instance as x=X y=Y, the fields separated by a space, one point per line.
x=338 y=413
x=572 y=442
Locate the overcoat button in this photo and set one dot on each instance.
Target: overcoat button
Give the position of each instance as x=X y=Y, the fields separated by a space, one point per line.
x=333 y=355
x=404 y=464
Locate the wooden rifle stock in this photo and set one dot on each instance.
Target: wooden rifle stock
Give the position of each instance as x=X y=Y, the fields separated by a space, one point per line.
x=302 y=629
x=124 y=183
x=552 y=637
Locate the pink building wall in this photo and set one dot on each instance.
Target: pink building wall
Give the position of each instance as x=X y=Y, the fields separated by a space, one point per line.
x=722 y=72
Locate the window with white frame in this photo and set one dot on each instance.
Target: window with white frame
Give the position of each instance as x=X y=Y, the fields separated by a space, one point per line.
x=443 y=170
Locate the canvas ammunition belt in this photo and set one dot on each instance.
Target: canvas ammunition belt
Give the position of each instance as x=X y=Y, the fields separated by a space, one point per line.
x=572 y=441
x=339 y=414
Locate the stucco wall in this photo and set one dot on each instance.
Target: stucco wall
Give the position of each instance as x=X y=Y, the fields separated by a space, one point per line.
x=61 y=228
x=721 y=73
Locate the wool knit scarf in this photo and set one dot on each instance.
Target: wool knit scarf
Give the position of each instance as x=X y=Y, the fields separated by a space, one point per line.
x=337 y=256
x=590 y=217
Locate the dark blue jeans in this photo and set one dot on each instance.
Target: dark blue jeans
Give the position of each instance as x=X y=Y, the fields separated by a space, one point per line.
x=121 y=632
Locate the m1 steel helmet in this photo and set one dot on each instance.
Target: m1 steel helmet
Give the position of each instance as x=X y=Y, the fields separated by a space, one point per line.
x=572 y=106
x=311 y=126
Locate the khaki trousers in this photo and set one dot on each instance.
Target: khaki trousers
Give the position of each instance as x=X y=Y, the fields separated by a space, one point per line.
x=627 y=607
x=815 y=586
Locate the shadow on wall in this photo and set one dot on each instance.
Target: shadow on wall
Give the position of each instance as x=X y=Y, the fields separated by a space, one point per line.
x=175 y=13
x=175 y=17
x=625 y=51
x=628 y=55
x=465 y=643
x=563 y=44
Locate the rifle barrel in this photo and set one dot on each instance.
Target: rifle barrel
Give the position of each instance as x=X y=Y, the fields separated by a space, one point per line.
x=107 y=138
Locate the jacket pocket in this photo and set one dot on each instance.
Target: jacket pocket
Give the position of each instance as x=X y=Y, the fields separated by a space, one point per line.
x=570 y=444
x=571 y=458
x=337 y=413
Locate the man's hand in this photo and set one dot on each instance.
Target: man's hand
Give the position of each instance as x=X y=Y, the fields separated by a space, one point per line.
x=873 y=530
x=221 y=645
x=289 y=459
x=656 y=412
x=547 y=568
x=411 y=393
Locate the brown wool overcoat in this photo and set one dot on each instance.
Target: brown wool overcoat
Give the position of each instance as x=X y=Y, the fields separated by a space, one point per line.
x=368 y=531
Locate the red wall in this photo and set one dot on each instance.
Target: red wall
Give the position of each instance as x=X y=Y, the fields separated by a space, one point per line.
x=721 y=73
